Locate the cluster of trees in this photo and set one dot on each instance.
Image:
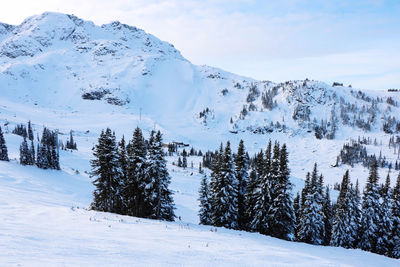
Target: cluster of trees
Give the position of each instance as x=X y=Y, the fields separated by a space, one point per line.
x=47 y=152
x=372 y=224
x=356 y=152
x=3 y=147
x=71 y=144
x=254 y=197
x=132 y=179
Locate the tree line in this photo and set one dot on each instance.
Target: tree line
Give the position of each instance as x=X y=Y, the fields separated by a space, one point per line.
x=132 y=179
x=255 y=195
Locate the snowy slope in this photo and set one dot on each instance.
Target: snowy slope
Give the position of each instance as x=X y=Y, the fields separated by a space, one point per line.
x=44 y=223
x=65 y=73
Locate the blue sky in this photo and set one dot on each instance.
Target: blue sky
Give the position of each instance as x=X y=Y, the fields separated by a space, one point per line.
x=355 y=42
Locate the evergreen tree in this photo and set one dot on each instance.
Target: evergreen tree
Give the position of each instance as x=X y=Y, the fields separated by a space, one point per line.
x=395 y=252
x=205 y=202
x=179 y=162
x=263 y=196
x=157 y=194
x=32 y=152
x=30 y=132
x=343 y=230
x=105 y=172
x=370 y=211
x=385 y=223
x=184 y=159
x=3 y=148
x=282 y=218
x=241 y=164
x=135 y=181
x=224 y=188
x=251 y=198
x=328 y=217
x=24 y=153
x=311 y=227
x=71 y=143
x=122 y=171
x=296 y=208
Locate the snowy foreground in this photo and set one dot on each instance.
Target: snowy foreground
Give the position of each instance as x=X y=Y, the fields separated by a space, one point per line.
x=44 y=222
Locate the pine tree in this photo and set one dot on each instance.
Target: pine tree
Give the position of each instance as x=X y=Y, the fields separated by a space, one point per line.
x=216 y=188
x=122 y=171
x=370 y=211
x=71 y=143
x=157 y=194
x=328 y=217
x=282 y=218
x=241 y=165
x=184 y=159
x=135 y=181
x=343 y=231
x=225 y=188
x=395 y=252
x=205 y=202
x=179 y=162
x=296 y=208
x=3 y=148
x=24 y=153
x=385 y=223
x=104 y=170
x=311 y=226
x=30 y=132
x=263 y=200
x=32 y=154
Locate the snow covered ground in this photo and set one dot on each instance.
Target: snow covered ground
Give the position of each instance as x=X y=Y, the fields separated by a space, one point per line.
x=44 y=222
x=51 y=60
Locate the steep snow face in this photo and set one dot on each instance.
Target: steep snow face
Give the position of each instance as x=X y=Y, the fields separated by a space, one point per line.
x=67 y=73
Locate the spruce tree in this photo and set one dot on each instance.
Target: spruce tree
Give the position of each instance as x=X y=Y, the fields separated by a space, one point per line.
x=241 y=172
x=224 y=190
x=24 y=153
x=311 y=226
x=260 y=220
x=184 y=159
x=385 y=223
x=71 y=143
x=282 y=218
x=205 y=202
x=328 y=217
x=122 y=170
x=395 y=252
x=157 y=194
x=135 y=180
x=3 y=148
x=370 y=211
x=343 y=229
x=104 y=170
x=30 y=132
x=296 y=208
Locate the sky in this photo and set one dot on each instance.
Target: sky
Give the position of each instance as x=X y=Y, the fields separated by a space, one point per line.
x=356 y=42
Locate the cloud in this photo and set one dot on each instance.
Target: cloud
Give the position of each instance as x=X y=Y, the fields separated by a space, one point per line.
x=262 y=39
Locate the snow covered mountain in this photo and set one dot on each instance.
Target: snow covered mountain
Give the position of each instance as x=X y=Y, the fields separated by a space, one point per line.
x=66 y=73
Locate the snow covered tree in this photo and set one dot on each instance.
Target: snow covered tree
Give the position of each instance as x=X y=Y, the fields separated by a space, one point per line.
x=25 y=154
x=225 y=190
x=343 y=230
x=157 y=194
x=134 y=184
x=328 y=217
x=184 y=159
x=205 y=202
x=370 y=211
x=3 y=148
x=282 y=220
x=311 y=226
x=262 y=203
x=105 y=172
x=30 y=132
x=241 y=172
x=122 y=170
x=385 y=223
x=47 y=152
x=395 y=251
x=71 y=143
